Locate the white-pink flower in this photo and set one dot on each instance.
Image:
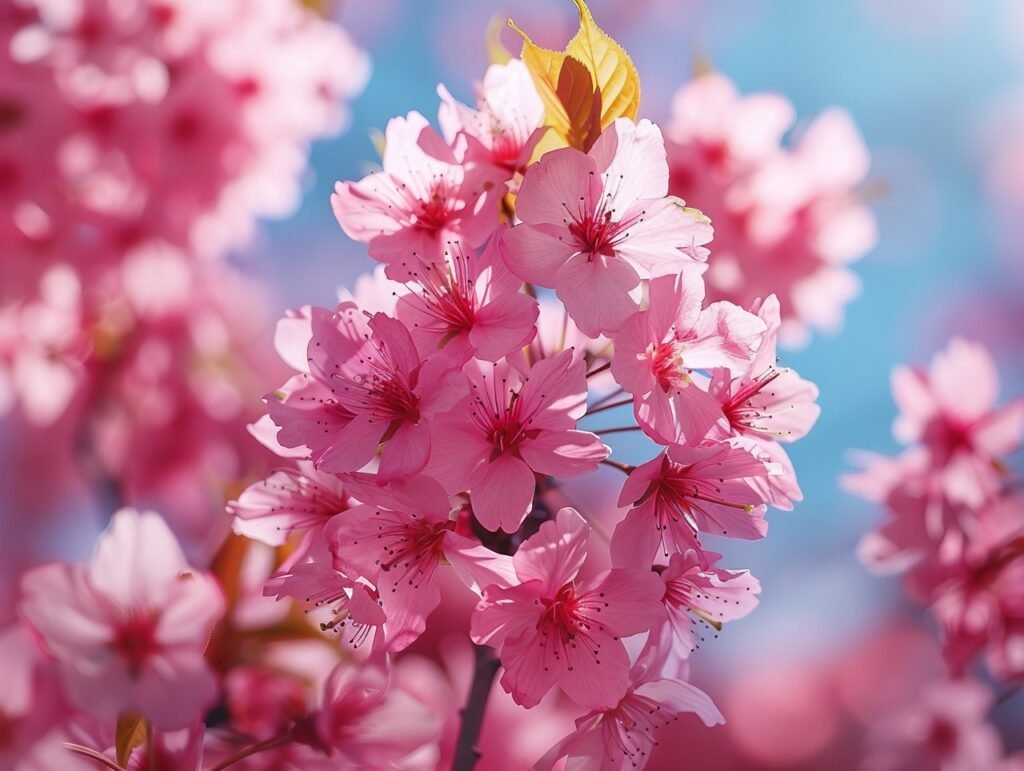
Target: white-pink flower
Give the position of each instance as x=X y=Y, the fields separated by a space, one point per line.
x=129 y=629
x=595 y=226
x=424 y=199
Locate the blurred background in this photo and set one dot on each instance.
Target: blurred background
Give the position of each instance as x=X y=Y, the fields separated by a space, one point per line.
x=937 y=89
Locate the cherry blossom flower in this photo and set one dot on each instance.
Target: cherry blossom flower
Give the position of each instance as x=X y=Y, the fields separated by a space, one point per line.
x=699 y=594
x=288 y=500
x=468 y=306
x=359 y=713
x=397 y=539
x=512 y=426
x=945 y=729
x=658 y=350
x=788 y=220
x=506 y=123
x=622 y=737
x=366 y=386
x=129 y=630
x=686 y=491
x=962 y=429
x=767 y=404
x=424 y=199
x=595 y=225
x=551 y=630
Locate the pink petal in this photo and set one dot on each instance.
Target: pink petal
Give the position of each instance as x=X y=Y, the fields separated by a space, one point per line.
x=555 y=553
x=406 y=453
x=557 y=180
x=477 y=566
x=352 y=447
x=631 y=159
x=595 y=679
x=137 y=559
x=600 y=292
x=502 y=494
x=631 y=597
x=534 y=253
x=636 y=538
x=503 y=325
x=563 y=454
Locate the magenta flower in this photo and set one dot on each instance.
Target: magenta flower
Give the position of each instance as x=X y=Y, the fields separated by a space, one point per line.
x=698 y=594
x=551 y=630
x=767 y=404
x=657 y=352
x=424 y=199
x=595 y=225
x=289 y=500
x=469 y=306
x=130 y=629
x=366 y=387
x=686 y=491
x=397 y=539
x=621 y=738
x=358 y=720
x=961 y=428
x=511 y=427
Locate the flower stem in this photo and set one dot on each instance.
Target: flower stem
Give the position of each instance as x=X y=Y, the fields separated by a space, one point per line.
x=466 y=751
x=625 y=468
x=269 y=744
x=613 y=405
x=619 y=430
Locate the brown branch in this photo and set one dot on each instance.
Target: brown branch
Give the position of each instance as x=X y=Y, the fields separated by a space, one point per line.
x=466 y=751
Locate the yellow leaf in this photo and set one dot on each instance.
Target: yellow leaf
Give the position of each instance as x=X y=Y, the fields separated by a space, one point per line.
x=496 y=51
x=131 y=733
x=575 y=109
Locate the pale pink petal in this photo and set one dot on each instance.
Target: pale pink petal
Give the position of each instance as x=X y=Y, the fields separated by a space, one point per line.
x=636 y=538
x=503 y=325
x=631 y=599
x=559 y=179
x=600 y=292
x=534 y=253
x=351 y=447
x=555 y=553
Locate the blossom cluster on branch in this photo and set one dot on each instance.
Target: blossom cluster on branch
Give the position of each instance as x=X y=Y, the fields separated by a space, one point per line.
x=954 y=528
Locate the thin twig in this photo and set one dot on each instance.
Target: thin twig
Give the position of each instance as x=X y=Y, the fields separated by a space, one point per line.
x=613 y=405
x=623 y=467
x=269 y=744
x=466 y=751
x=1007 y=695
x=600 y=369
x=619 y=430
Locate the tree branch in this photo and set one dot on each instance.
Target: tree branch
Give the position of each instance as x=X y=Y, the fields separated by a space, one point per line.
x=466 y=751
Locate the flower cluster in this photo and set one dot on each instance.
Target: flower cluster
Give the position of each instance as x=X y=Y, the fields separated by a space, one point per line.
x=788 y=220
x=954 y=527
x=140 y=140
x=436 y=415
x=110 y=108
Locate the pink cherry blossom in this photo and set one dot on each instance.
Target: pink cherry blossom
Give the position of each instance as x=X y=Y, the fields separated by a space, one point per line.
x=288 y=500
x=506 y=122
x=686 y=491
x=595 y=226
x=129 y=630
x=552 y=630
x=469 y=306
x=945 y=729
x=359 y=715
x=397 y=539
x=961 y=428
x=698 y=594
x=788 y=220
x=765 y=405
x=424 y=199
x=366 y=386
x=658 y=350
x=622 y=737
x=511 y=427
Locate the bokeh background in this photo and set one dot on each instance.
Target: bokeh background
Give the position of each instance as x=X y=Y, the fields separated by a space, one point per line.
x=937 y=89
